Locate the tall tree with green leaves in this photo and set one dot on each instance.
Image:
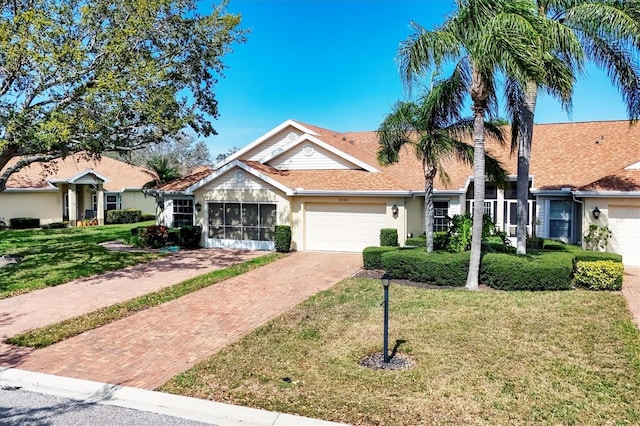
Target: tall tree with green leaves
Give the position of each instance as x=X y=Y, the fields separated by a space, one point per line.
x=106 y=75
x=487 y=37
x=605 y=32
x=434 y=129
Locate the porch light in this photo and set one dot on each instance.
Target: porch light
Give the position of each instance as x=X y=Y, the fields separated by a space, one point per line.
x=198 y=206
x=394 y=210
x=596 y=213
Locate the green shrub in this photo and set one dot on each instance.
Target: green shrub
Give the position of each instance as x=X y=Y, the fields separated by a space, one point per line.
x=416 y=241
x=535 y=243
x=436 y=268
x=190 y=236
x=24 y=222
x=372 y=256
x=599 y=275
x=597 y=237
x=460 y=233
x=594 y=256
x=174 y=237
x=539 y=271
x=147 y=217
x=388 y=237
x=282 y=238
x=123 y=216
x=155 y=236
x=440 y=241
x=55 y=225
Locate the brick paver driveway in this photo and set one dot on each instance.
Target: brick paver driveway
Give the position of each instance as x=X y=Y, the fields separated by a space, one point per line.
x=148 y=348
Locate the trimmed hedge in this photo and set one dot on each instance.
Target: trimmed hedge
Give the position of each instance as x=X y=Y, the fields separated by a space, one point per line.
x=24 y=222
x=388 y=237
x=436 y=268
x=147 y=217
x=282 y=238
x=539 y=271
x=595 y=256
x=123 y=216
x=372 y=256
x=599 y=274
x=440 y=241
x=56 y=225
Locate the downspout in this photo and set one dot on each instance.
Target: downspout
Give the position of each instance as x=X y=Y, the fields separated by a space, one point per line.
x=583 y=213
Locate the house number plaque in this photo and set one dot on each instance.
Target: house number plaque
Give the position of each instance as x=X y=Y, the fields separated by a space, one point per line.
x=343 y=200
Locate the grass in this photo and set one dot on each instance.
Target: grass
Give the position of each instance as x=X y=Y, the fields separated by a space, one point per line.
x=482 y=358
x=54 y=333
x=56 y=256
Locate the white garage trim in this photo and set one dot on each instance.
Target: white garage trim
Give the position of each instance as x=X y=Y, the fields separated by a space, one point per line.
x=343 y=227
x=624 y=223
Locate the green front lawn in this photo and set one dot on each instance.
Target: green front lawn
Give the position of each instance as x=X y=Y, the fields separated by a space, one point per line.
x=56 y=256
x=485 y=357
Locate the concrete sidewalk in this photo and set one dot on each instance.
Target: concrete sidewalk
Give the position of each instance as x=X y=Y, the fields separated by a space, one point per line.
x=193 y=409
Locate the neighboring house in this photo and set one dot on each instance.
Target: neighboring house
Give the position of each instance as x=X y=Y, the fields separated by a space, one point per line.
x=75 y=188
x=330 y=189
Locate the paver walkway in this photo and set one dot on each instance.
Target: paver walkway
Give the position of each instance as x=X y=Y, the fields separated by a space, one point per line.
x=631 y=292
x=148 y=348
x=53 y=304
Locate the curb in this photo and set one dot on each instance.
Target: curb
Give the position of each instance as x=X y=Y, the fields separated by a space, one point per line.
x=145 y=400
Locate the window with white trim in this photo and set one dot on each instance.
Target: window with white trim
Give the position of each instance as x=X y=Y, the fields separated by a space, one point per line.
x=182 y=212
x=242 y=221
x=440 y=216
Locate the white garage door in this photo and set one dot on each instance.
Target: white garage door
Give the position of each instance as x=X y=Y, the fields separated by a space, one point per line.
x=343 y=227
x=624 y=222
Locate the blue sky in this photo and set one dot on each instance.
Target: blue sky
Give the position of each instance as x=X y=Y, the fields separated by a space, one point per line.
x=332 y=63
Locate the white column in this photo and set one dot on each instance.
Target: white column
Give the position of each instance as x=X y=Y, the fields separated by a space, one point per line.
x=100 y=212
x=73 y=205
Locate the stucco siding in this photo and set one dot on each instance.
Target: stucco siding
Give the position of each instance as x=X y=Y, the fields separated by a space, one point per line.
x=44 y=205
x=137 y=200
x=308 y=156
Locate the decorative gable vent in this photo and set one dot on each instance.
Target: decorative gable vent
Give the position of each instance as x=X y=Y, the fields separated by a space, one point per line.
x=292 y=136
x=308 y=150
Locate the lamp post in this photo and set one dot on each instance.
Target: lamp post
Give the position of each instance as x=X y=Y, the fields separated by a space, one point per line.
x=385 y=332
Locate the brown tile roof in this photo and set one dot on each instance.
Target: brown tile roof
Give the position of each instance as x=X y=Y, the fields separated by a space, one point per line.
x=121 y=175
x=624 y=180
x=564 y=155
x=329 y=180
x=183 y=183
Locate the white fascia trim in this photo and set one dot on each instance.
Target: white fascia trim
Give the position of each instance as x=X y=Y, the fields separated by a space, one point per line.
x=607 y=194
x=89 y=172
x=50 y=189
x=319 y=142
x=552 y=192
x=261 y=139
x=337 y=193
x=248 y=169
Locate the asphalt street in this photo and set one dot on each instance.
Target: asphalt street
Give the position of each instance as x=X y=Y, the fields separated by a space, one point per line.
x=20 y=407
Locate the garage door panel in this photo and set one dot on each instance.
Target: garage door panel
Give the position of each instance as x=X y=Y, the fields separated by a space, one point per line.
x=343 y=227
x=624 y=223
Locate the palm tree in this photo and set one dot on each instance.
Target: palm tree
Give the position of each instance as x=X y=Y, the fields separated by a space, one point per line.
x=606 y=32
x=164 y=167
x=433 y=128
x=485 y=37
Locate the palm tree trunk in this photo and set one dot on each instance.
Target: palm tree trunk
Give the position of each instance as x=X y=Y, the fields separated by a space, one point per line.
x=525 y=138
x=478 y=194
x=429 y=174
